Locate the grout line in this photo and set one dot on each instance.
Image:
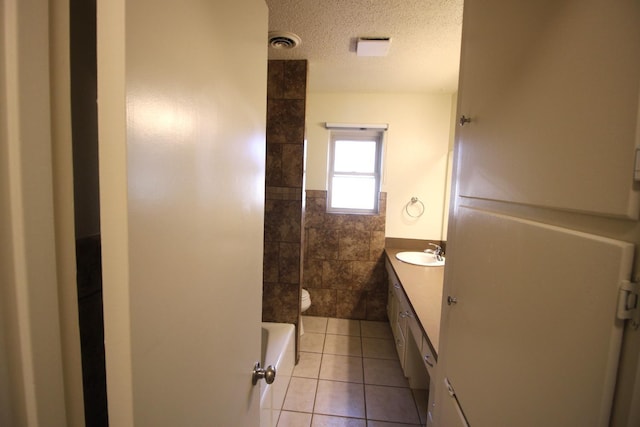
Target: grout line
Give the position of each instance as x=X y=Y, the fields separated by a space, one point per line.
x=364 y=384
x=364 y=380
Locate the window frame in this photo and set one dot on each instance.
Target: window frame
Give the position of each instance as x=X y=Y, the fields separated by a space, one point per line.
x=355 y=134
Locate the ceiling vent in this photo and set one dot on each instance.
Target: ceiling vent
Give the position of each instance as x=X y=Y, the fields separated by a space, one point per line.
x=373 y=46
x=283 y=40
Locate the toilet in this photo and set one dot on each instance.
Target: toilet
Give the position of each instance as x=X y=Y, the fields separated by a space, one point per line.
x=304 y=306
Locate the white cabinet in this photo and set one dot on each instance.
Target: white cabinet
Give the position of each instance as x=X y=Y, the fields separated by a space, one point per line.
x=552 y=91
x=427 y=356
x=407 y=334
x=555 y=85
x=517 y=336
x=451 y=414
x=397 y=312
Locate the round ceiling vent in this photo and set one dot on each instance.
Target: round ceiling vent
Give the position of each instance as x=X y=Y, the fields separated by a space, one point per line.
x=283 y=40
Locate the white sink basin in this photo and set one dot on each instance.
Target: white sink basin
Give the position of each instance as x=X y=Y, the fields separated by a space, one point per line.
x=419 y=258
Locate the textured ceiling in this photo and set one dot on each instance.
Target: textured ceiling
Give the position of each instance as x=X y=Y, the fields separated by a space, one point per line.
x=425 y=43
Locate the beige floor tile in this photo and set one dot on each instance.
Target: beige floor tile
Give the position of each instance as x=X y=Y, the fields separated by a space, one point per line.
x=341 y=368
x=379 y=348
x=372 y=423
x=328 y=379
x=373 y=329
x=308 y=366
x=392 y=404
x=343 y=344
x=312 y=342
x=294 y=419
x=384 y=372
x=340 y=399
x=330 y=421
x=314 y=324
x=343 y=327
x=300 y=395
x=422 y=402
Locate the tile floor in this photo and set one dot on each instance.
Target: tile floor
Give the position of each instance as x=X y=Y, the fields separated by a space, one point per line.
x=349 y=376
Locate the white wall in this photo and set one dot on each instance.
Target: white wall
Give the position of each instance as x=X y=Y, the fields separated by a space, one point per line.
x=416 y=151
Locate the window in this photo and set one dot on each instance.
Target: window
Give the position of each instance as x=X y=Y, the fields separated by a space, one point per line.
x=355 y=158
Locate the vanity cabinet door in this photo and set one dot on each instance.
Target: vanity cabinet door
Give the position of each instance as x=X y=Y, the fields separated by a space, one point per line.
x=552 y=91
x=427 y=357
x=394 y=312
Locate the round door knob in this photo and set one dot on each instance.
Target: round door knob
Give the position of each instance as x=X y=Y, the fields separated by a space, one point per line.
x=451 y=300
x=269 y=374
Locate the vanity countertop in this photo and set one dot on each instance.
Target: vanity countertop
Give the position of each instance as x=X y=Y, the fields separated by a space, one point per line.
x=423 y=288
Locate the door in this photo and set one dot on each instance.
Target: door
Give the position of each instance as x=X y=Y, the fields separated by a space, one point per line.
x=182 y=108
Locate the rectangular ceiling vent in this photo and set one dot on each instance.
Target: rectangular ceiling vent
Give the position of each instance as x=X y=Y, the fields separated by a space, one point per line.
x=373 y=46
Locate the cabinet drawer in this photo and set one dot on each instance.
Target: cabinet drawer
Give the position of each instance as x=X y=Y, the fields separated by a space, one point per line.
x=427 y=357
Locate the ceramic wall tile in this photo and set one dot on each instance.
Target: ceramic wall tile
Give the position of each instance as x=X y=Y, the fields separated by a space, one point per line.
x=280 y=302
x=270 y=262
x=313 y=273
x=368 y=274
x=273 y=170
x=293 y=159
x=336 y=274
x=322 y=243
x=323 y=302
x=289 y=263
x=283 y=221
x=295 y=77
x=354 y=245
x=316 y=208
x=345 y=253
x=351 y=304
x=377 y=304
x=275 y=79
x=376 y=248
x=285 y=121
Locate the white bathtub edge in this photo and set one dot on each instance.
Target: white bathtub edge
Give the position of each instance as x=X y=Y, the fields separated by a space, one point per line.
x=280 y=352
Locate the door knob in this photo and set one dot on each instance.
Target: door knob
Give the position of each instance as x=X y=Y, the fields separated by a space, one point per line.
x=269 y=374
x=464 y=120
x=451 y=300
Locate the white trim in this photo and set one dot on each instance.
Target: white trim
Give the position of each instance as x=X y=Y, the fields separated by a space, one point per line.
x=357 y=126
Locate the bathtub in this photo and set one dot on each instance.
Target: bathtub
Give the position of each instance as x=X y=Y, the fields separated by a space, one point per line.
x=278 y=349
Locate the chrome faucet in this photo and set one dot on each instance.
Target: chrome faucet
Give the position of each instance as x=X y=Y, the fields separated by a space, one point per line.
x=437 y=252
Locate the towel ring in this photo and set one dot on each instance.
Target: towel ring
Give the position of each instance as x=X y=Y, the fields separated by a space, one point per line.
x=412 y=202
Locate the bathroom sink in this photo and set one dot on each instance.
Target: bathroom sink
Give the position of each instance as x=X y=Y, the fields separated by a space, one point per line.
x=419 y=258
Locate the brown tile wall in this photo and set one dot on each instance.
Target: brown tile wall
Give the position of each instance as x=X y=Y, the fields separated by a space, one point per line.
x=344 y=265
x=284 y=207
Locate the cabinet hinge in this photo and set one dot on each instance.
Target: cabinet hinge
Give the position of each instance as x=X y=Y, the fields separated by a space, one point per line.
x=449 y=387
x=628 y=305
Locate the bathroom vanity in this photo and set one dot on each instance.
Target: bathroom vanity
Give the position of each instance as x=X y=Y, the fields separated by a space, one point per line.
x=414 y=307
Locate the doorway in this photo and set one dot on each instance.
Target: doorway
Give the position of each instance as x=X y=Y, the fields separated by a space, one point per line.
x=87 y=208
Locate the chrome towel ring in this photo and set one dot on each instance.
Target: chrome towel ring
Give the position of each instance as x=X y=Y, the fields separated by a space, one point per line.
x=416 y=206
